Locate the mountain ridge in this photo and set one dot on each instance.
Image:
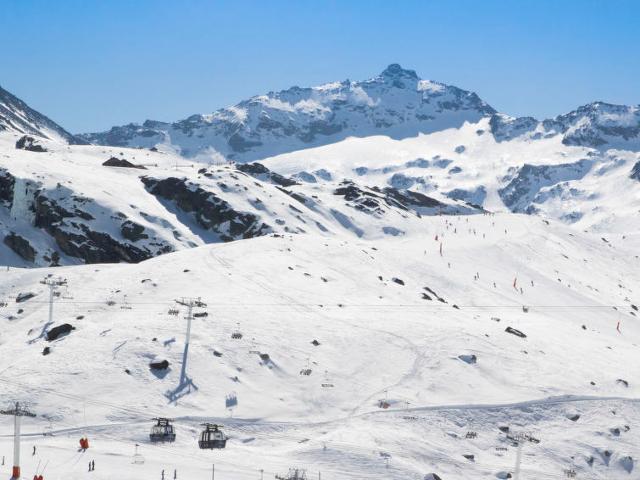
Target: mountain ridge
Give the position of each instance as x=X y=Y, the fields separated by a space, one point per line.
x=397 y=102
x=18 y=117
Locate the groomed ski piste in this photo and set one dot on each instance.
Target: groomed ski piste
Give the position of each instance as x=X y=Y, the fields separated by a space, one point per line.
x=412 y=369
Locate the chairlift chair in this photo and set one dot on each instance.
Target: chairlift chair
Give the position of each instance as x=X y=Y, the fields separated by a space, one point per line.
x=212 y=437
x=236 y=334
x=137 y=459
x=327 y=383
x=162 y=431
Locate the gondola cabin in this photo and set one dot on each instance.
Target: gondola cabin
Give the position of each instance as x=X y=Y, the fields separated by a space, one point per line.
x=212 y=437
x=162 y=431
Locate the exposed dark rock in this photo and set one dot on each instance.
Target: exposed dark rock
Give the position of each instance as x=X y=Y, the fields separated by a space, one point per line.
x=122 y=163
x=635 y=171
x=77 y=239
x=162 y=365
x=261 y=172
x=515 y=332
x=623 y=382
x=432 y=476
x=46 y=351
x=21 y=246
x=574 y=418
x=133 y=231
x=29 y=143
x=23 y=297
x=7 y=181
x=210 y=211
x=315 y=343
x=520 y=193
x=59 y=331
x=399 y=281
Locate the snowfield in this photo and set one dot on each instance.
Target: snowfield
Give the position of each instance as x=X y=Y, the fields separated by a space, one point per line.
x=444 y=368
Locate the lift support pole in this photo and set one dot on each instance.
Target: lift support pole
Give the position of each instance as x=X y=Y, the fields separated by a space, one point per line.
x=18 y=412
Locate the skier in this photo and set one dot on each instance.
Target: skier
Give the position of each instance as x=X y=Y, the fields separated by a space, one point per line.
x=34 y=451
x=162 y=475
x=175 y=474
x=93 y=465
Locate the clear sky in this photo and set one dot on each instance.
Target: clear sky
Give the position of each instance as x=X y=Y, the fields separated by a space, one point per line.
x=92 y=64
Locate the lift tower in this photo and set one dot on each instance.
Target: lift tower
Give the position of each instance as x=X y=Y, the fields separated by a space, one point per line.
x=17 y=412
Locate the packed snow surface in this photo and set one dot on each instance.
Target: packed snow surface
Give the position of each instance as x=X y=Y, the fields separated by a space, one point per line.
x=396 y=324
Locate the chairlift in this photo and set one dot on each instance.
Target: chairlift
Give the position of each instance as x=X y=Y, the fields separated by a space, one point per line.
x=212 y=437
x=125 y=305
x=236 y=334
x=162 y=431
x=327 y=383
x=306 y=371
x=137 y=459
x=47 y=431
x=173 y=311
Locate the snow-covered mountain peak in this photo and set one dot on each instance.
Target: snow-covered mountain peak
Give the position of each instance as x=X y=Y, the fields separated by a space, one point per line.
x=395 y=103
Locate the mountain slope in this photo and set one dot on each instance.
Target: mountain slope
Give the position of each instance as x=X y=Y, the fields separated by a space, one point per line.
x=395 y=324
x=65 y=206
x=17 y=117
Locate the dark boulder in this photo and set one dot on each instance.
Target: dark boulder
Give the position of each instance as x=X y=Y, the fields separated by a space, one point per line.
x=163 y=365
x=59 y=331
x=29 y=143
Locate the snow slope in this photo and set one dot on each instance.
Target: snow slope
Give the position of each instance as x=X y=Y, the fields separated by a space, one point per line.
x=373 y=305
x=593 y=189
x=64 y=206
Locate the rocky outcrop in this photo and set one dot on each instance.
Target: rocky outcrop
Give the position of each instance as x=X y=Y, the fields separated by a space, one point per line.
x=21 y=246
x=122 y=163
x=525 y=183
x=259 y=171
x=7 y=181
x=635 y=172
x=72 y=231
x=133 y=231
x=29 y=143
x=209 y=210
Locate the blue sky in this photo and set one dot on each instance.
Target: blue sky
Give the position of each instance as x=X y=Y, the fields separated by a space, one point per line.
x=93 y=64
